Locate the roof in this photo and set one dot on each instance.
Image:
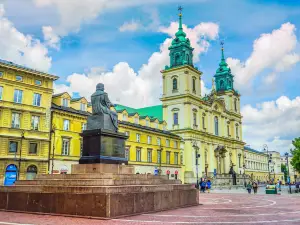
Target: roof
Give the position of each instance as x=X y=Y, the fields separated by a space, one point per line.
x=17 y=66
x=77 y=99
x=253 y=150
x=70 y=110
x=150 y=129
x=60 y=94
x=153 y=112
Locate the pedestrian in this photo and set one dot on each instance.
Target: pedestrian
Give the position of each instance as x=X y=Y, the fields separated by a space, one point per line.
x=255 y=187
x=200 y=184
x=249 y=187
x=208 y=185
x=203 y=185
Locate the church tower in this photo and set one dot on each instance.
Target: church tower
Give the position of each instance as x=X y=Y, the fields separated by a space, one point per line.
x=224 y=84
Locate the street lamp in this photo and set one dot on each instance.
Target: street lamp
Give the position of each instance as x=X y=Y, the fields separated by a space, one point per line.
x=266 y=149
x=20 y=154
x=244 y=167
x=195 y=146
x=288 y=170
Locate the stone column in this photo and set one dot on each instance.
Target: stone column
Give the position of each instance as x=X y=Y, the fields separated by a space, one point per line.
x=223 y=158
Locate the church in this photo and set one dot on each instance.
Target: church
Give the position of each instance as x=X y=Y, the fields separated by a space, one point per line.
x=210 y=126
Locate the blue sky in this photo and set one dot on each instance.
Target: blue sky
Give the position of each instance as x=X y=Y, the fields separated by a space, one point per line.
x=96 y=41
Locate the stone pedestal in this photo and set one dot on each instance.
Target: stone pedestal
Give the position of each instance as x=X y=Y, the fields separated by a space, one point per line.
x=91 y=193
x=103 y=146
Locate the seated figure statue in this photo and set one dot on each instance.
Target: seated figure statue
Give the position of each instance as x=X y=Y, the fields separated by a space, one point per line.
x=101 y=107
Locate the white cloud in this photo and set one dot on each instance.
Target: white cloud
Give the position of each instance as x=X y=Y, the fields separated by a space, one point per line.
x=274 y=123
x=274 y=51
x=20 y=48
x=52 y=39
x=144 y=87
x=130 y=26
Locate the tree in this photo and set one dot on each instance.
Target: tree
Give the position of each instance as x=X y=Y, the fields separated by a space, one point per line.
x=284 y=170
x=295 y=162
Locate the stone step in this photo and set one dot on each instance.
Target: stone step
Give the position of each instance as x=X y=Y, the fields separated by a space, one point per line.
x=100 y=176
x=94 y=189
x=96 y=182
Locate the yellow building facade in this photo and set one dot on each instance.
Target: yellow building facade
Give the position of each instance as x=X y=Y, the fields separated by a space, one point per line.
x=25 y=100
x=149 y=147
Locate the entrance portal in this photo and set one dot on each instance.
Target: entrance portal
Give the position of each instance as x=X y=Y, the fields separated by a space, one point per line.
x=10 y=175
x=31 y=172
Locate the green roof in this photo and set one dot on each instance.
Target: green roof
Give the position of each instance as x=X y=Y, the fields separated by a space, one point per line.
x=152 y=111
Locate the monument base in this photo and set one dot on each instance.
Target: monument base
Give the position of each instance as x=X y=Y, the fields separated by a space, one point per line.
x=103 y=146
x=91 y=194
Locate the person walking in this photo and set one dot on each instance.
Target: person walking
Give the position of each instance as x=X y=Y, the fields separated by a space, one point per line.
x=208 y=185
x=203 y=185
x=249 y=187
x=255 y=187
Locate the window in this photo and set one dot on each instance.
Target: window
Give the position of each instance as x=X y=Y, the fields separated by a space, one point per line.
x=1 y=74
x=175 y=84
x=149 y=155
x=164 y=127
x=235 y=105
x=36 y=99
x=127 y=133
x=138 y=155
x=136 y=120
x=65 y=147
x=82 y=107
x=66 y=124
x=168 y=157
x=18 y=95
x=194 y=84
x=15 y=123
x=156 y=125
x=138 y=138
x=127 y=153
x=19 y=78
x=175 y=118
x=147 y=123
x=1 y=91
x=83 y=126
x=222 y=85
x=203 y=122
x=33 y=148
x=216 y=126
x=237 y=131
x=175 y=144
x=158 y=141
x=177 y=59
x=35 y=120
x=167 y=143
x=13 y=146
x=187 y=57
x=124 y=117
x=149 y=140
x=175 y=158
x=158 y=156
x=195 y=119
x=38 y=82
x=65 y=102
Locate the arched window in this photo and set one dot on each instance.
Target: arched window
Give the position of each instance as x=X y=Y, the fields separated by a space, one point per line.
x=237 y=131
x=216 y=126
x=194 y=84
x=177 y=59
x=229 y=83
x=228 y=133
x=235 y=105
x=203 y=121
x=187 y=58
x=175 y=118
x=31 y=172
x=222 y=85
x=195 y=119
x=175 y=84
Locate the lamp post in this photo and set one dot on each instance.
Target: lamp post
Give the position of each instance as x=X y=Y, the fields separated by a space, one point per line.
x=195 y=146
x=288 y=171
x=266 y=149
x=20 y=153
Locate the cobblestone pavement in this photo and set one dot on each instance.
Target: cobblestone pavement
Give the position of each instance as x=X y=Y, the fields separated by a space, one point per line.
x=215 y=208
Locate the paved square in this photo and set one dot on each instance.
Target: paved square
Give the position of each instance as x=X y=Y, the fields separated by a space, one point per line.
x=215 y=209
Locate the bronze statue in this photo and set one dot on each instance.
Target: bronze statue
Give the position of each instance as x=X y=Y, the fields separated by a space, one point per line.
x=101 y=104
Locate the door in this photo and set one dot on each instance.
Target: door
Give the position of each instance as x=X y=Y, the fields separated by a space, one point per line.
x=10 y=175
x=31 y=172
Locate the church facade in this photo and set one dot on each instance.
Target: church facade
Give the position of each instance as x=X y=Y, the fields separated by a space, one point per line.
x=211 y=125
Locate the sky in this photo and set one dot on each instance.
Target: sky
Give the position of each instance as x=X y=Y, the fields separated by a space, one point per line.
x=124 y=44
